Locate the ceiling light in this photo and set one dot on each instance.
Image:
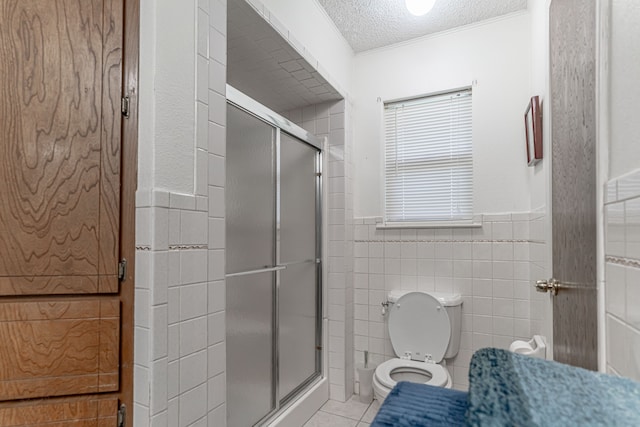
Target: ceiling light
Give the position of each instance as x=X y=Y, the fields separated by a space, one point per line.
x=419 y=7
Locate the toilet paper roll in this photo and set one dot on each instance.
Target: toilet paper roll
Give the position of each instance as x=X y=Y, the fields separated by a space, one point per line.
x=521 y=347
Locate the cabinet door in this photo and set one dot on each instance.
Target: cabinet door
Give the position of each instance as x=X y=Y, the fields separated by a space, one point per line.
x=60 y=210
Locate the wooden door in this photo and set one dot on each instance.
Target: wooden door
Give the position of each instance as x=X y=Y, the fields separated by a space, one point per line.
x=64 y=353
x=573 y=134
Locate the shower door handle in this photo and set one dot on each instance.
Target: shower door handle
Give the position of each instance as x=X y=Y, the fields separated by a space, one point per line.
x=553 y=286
x=258 y=271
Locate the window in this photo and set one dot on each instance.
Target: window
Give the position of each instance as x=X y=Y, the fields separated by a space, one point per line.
x=428 y=159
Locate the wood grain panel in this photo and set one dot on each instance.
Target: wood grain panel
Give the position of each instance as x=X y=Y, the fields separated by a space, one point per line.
x=73 y=412
x=53 y=285
x=111 y=137
x=62 y=219
x=59 y=159
x=108 y=284
x=58 y=285
x=573 y=134
x=58 y=348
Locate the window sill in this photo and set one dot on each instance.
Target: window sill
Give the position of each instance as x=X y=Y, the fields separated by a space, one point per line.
x=434 y=224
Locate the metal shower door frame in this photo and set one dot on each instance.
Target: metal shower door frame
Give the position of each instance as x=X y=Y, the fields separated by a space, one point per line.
x=281 y=124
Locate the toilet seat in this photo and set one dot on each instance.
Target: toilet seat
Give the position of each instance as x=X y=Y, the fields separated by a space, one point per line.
x=439 y=375
x=419 y=327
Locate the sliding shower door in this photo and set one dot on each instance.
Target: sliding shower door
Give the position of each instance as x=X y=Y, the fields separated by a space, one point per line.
x=298 y=299
x=250 y=215
x=272 y=264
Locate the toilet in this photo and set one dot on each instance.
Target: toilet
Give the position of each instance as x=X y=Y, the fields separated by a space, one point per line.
x=424 y=328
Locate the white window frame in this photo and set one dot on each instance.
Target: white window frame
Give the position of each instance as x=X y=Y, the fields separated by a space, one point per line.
x=471 y=221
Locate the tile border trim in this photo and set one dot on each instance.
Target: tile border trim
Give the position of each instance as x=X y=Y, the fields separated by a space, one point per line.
x=187 y=247
x=443 y=241
x=626 y=262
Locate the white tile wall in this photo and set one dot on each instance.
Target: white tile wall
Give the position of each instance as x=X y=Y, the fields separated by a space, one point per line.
x=622 y=281
x=179 y=315
x=540 y=307
x=216 y=141
x=180 y=359
x=488 y=266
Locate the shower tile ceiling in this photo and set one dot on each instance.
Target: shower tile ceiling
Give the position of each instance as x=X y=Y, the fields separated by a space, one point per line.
x=369 y=24
x=264 y=66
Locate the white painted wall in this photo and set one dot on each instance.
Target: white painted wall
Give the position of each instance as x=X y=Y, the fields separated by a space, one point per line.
x=624 y=155
x=146 y=98
x=498 y=55
x=539 y=174
x=541 y=310
x=308 y=23
x=167 y=95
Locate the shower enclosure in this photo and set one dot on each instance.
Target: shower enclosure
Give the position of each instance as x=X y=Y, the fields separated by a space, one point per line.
x=273 y=267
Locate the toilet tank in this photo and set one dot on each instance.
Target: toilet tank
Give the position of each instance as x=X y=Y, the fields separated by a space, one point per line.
x=453 y=304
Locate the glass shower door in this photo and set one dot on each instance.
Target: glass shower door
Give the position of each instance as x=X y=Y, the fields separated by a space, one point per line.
x=250 y=258
x=272 y=262
x=298 y=305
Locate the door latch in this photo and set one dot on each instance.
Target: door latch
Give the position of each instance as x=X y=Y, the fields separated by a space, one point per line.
x=122 y=415
x=122 y=270
x=124 y=106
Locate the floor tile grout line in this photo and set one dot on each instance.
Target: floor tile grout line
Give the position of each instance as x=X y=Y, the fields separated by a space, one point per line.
x=358 y=421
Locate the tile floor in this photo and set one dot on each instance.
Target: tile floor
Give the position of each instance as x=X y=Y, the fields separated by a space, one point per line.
x=351 y=413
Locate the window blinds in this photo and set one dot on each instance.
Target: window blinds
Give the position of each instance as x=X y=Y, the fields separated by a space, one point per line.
x=428 y=159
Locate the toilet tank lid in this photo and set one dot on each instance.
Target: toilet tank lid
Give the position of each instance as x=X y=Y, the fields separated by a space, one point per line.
x=447 y=300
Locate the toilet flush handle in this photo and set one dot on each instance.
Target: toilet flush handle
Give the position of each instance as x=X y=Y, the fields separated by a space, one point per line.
x=385 y=306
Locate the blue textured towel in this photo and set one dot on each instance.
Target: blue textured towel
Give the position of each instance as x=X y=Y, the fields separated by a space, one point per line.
x=413 y=405
x=507 y=389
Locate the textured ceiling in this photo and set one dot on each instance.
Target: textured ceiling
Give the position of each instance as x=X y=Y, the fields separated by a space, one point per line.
x=368 y=24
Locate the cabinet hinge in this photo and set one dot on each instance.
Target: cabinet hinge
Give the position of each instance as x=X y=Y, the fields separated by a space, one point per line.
x=122 y=415
x=122 y=270
x=124 y=106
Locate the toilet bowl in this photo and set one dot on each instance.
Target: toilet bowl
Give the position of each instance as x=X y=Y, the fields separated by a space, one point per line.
x=395 y=370
x=424 y=329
